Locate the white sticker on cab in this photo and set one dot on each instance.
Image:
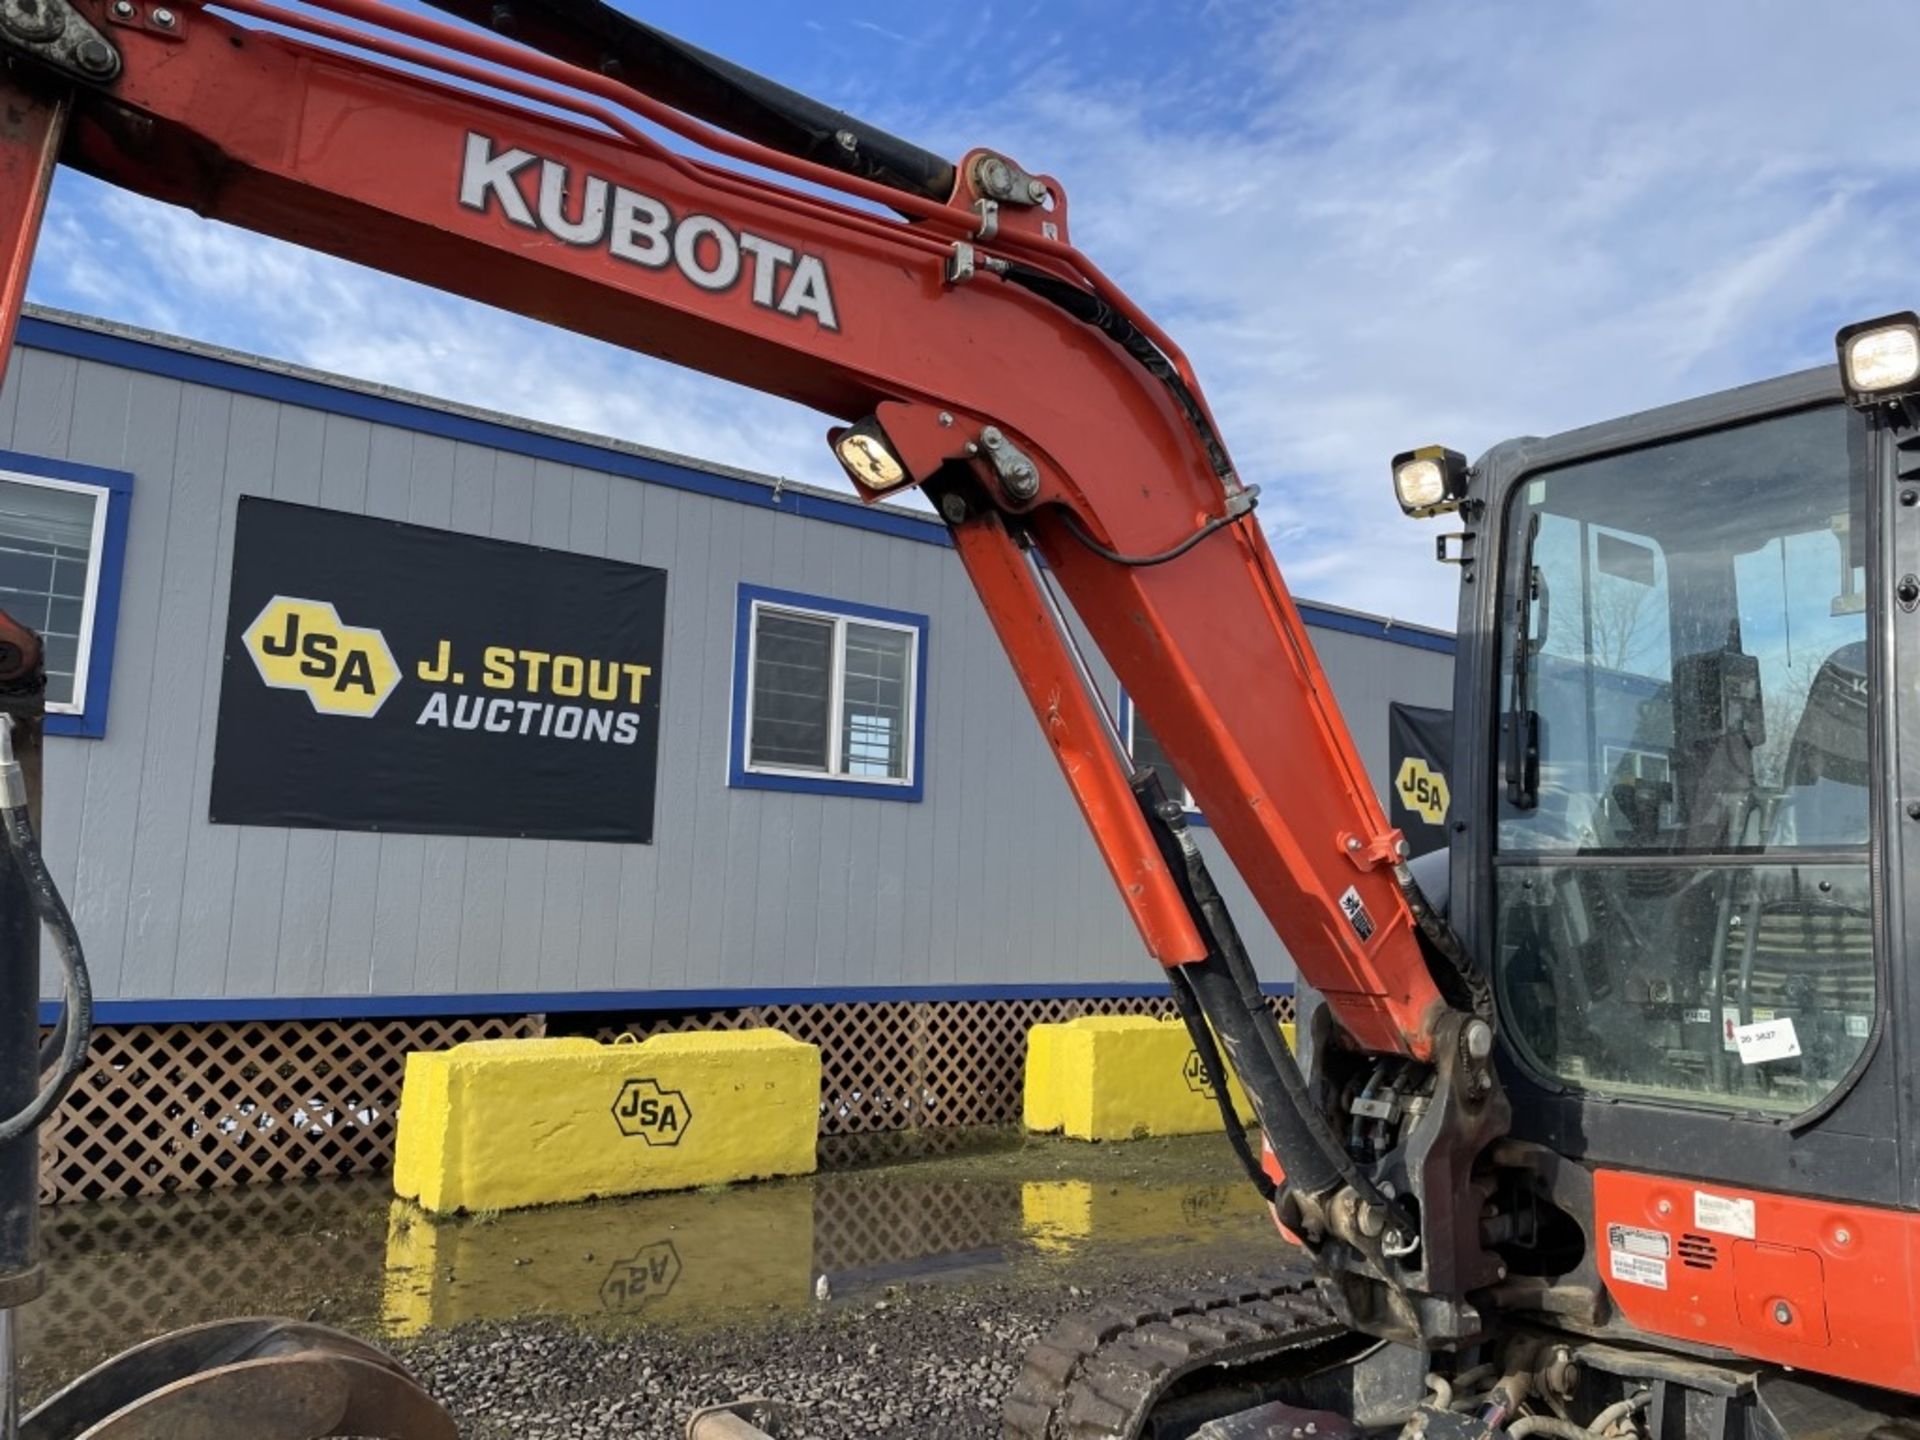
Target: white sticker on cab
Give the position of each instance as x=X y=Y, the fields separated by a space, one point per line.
x=1637 y=1241
x=1638 y=1269
x=1730 y=1022
x=1766 y=1040
x=1723 y=1214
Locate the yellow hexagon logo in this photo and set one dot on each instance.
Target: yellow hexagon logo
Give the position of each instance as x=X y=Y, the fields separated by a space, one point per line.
x=303 y=645
x=1422 y=789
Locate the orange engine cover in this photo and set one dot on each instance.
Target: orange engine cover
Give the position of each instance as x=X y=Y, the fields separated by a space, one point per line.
x=1822 y=1286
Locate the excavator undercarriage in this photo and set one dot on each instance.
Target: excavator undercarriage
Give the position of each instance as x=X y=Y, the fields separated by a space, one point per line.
x=1267 y=1361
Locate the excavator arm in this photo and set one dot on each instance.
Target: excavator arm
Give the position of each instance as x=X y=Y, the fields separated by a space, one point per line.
x=943 y=314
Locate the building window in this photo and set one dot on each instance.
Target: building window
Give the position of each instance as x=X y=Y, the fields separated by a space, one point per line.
x=1145 y=748
x=63 y=530
x=828 y=696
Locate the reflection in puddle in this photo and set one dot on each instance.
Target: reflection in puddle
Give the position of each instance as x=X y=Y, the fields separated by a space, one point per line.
x=348 y=1254
x=122 y=1271
x=699 y=1258
x=1059 y=1215
x=692 y=1257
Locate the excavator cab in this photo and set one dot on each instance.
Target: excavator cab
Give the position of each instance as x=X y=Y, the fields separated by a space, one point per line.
x=1677 y=854
x=1688 y=798
x=1685 y=704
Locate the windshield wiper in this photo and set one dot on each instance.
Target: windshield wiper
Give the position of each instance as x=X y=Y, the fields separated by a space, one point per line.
x=1520 y=729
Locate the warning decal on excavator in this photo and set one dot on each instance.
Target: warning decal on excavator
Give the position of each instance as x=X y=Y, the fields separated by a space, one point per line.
x=1355 y=909
x=1637 y=1257
x=1724 y=1214
x=1638 y=1269
x=1636 y=1240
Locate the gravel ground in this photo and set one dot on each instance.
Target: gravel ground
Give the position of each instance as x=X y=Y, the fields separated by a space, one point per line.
x=930 y=1356
x=930 y=1360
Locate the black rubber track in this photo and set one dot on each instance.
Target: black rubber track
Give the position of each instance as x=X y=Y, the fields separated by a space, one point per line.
x=1098 y=1376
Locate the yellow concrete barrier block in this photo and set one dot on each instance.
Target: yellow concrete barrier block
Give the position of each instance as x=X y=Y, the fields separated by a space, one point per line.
x=503 y=1124
x=1040 y=1100
x=1119 y=1077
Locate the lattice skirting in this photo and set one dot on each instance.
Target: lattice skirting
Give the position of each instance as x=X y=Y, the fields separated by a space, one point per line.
x=164 y=1108
x=169 y=1108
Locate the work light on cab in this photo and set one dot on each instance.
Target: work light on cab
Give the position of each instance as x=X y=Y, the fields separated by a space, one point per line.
x=866 y=455
x=1880 y=359
x=1429 y=481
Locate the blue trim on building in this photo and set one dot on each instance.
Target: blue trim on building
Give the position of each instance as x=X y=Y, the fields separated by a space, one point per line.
x=110 y=566
x=1374 y=628
x=1194 y=817
x=540 y=1002
x=152 y=359
x=741 y=778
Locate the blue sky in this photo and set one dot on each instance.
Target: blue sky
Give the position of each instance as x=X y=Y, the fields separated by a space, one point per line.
x=1372 y=225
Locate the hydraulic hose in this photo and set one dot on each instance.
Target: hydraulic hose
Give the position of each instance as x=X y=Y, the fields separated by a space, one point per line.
x=1079 y=532
x=76 y=1019
x=1440 y=937
x=1549 y=1426
x=1313 y=1167
x=596 y=36
x=1228 y=992
x=1089 y=308
x=1217 y=1073
x=1620 y=1410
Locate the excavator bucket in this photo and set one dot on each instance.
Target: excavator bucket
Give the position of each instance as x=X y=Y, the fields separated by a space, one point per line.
x=265 y=1379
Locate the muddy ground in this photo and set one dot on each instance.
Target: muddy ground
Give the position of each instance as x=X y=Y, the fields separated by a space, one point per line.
x=617 y=1318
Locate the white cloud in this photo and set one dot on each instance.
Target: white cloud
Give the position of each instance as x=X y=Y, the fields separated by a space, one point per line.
x=1457 y=223
x=233 y=288
x=1372 y=226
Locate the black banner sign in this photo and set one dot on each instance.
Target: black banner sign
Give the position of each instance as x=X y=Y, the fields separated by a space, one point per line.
x=382 y=676
x=1419 y=754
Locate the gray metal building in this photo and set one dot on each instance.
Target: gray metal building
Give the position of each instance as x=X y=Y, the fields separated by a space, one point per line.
x=954 y=864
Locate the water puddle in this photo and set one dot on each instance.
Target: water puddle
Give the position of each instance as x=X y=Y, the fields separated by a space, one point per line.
x=348 y=1254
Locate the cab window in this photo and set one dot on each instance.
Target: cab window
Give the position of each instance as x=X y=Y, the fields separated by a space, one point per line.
x=1681 y=875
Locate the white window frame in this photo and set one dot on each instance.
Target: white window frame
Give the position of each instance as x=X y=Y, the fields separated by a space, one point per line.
x=1612 y=755
x=96 y=544
x=836 y=693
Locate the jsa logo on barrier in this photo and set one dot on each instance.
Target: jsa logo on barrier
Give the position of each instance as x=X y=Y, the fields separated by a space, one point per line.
x=646 y=1110
x=593 y=213
x=304 y=645
x=1195 y=1073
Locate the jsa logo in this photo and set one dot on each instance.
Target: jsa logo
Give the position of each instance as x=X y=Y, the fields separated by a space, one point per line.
x=303 y=645
x=649 y=1110
x=1423 y=789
